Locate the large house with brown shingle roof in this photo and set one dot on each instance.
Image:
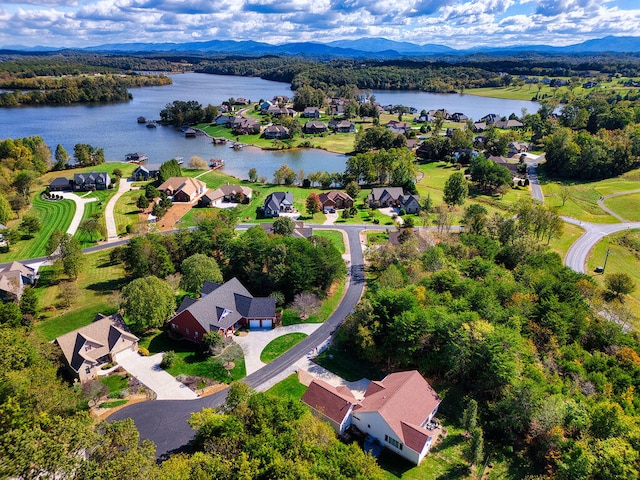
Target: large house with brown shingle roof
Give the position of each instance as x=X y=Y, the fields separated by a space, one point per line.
x=183 y=189
x=397 y=410
x=335 y=199
x=88 y=348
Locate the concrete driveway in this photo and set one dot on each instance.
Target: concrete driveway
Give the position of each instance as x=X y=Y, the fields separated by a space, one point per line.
x=254 y=342
x=148 y=371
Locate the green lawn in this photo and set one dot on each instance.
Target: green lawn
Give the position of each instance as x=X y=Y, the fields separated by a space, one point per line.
x=125 y=212
x=290 y=387
x=195 y=360
x=570 y=234
x=335 y=236
x=96 y=207
x=115 y=384
x=53 y=215
x=622 y=259
x=97 y=281
x=626 y=206
x=328 y=306
x=347 y=366
x=113 y=403
x=444 y=461
x=279 y=345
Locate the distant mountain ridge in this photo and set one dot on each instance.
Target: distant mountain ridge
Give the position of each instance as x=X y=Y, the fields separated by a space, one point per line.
x=360 y=48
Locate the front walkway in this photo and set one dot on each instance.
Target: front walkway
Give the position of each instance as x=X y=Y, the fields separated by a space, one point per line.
x=77 y=216
x=148 y=371
x=254 y=342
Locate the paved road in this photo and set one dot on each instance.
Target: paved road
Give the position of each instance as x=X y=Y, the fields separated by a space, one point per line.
x=576 y=257
x=165 y=421
x=536 y=190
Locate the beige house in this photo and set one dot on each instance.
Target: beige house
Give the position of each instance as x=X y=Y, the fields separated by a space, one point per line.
x=88 y=348
x=225 y=194
x=183 y=189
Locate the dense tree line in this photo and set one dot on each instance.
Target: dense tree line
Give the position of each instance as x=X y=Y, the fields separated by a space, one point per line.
x=190 y=112
x=493 y=317
x=66 y=90
x=394 y=166
x=597 y=136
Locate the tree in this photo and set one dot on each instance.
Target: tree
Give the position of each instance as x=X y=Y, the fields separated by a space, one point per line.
x=86 y=155
x=30 y=225
x=456 y=189
x=142 y=202
x=313 y=204
x=148 y=302
x=253 y=175
x=53 y=243
x=196 y=270
x=6 y=212
x=91 y=226
x=213 y=341
x=619 y=284
x=151 y=192
x=475 y=218
x=62 y=158
x=474 y=451
x=284 y=174
x=198 y=163
x=305 y=304
x=565 y=194
x=168 y=360
x=470 y=416
x=22 y=183
x=168 y=169
x=29 y=305
x=239 y=393
x=352 y=189
x=70 y=255
x=284 y=226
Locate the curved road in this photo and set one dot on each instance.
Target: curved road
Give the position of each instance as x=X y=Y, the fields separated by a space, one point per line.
x=165 y=421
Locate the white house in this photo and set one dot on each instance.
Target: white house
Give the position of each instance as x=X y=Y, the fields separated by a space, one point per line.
x=398 y=411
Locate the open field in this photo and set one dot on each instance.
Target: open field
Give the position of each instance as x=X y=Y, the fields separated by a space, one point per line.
x=623 y=258
x=626 y=206
x=582 y=203
x=290 y=387
x=125 y=212
x=97 y=281
x=570 y=233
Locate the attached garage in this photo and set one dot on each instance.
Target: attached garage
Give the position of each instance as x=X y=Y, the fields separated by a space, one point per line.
x=261 y=323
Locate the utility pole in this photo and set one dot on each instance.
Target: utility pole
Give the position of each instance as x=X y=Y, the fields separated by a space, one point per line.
x=605 y=261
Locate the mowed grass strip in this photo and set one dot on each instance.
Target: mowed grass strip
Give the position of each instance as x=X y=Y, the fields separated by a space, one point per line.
x=289 y=388
x=126 y=212
x=53 y=215
x=278 y=346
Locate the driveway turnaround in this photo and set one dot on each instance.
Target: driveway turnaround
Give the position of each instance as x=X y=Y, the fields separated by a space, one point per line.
x=77 y=216
x=148 y=371
x=253 y=343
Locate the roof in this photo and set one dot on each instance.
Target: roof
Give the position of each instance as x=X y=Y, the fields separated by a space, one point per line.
x=24 y=270
x=328 y=400
x=275 y=199
x=11 y=282
x=225 y=304
x=103 y=335
x=405 y=400
x=224 y=190
x=380 y=193
x=332 y=195
x=186 y=184
x=60 y=182
x=91 y=178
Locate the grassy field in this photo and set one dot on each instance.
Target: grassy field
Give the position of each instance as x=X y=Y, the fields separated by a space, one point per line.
x=279 y=345
x=53 y=215
x=98 y=279
x=626 y=206
x=582 y=203
x=570 y=234
x=328 y=306
x=622 y=259
x=96 y=207
x=333 y=235
x=290 y=387
x=125 y=212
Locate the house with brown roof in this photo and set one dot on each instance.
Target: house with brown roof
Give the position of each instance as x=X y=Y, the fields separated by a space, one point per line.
x=88 y=348
x=335 y=199
x=315 y=126
x=225 y=194
x=222 y=308
x=183 y=189
x=397 y=410
x=276 y=131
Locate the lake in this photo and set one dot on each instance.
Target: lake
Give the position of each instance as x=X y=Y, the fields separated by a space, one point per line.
x=114 y=127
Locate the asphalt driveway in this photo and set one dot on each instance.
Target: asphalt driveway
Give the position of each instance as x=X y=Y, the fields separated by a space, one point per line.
x=148 y=371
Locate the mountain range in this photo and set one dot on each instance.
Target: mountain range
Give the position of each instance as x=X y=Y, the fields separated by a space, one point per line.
x=361 y=48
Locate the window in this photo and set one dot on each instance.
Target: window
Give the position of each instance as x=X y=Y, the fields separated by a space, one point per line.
x=87 y=370
x=195 y=334
x=186 y=330
x=393 y=442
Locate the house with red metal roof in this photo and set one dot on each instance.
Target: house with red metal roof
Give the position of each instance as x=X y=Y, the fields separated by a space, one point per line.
x=398 y=411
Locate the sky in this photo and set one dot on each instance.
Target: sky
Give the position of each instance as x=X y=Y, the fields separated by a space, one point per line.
x=456 y=23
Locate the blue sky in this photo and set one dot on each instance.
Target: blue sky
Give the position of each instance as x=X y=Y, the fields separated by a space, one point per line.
x=456 y=23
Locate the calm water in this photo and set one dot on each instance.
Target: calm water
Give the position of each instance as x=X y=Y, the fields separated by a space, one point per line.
x=114 y=128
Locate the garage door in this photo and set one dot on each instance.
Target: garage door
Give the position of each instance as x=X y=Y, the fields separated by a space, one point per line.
x=266 y=324
x=254 y=324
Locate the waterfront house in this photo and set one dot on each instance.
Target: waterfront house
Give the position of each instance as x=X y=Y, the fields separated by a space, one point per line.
x=335 y=199
x=60 y=184
x=91 y=181
x=226 y=194
x=276 y=203
x=183 y=189
x=315 y=127
x=276 y=131
x=146 y=172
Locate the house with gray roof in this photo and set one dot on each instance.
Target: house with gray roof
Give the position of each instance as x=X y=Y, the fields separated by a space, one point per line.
x=88 y=348
x=276 y=203
x=91 y=181
x=222 y=308
x=394 y=197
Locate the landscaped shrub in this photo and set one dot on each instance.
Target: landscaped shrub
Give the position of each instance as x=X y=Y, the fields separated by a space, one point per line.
x=168 y=359
x=143 y=351
x=402 y=212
